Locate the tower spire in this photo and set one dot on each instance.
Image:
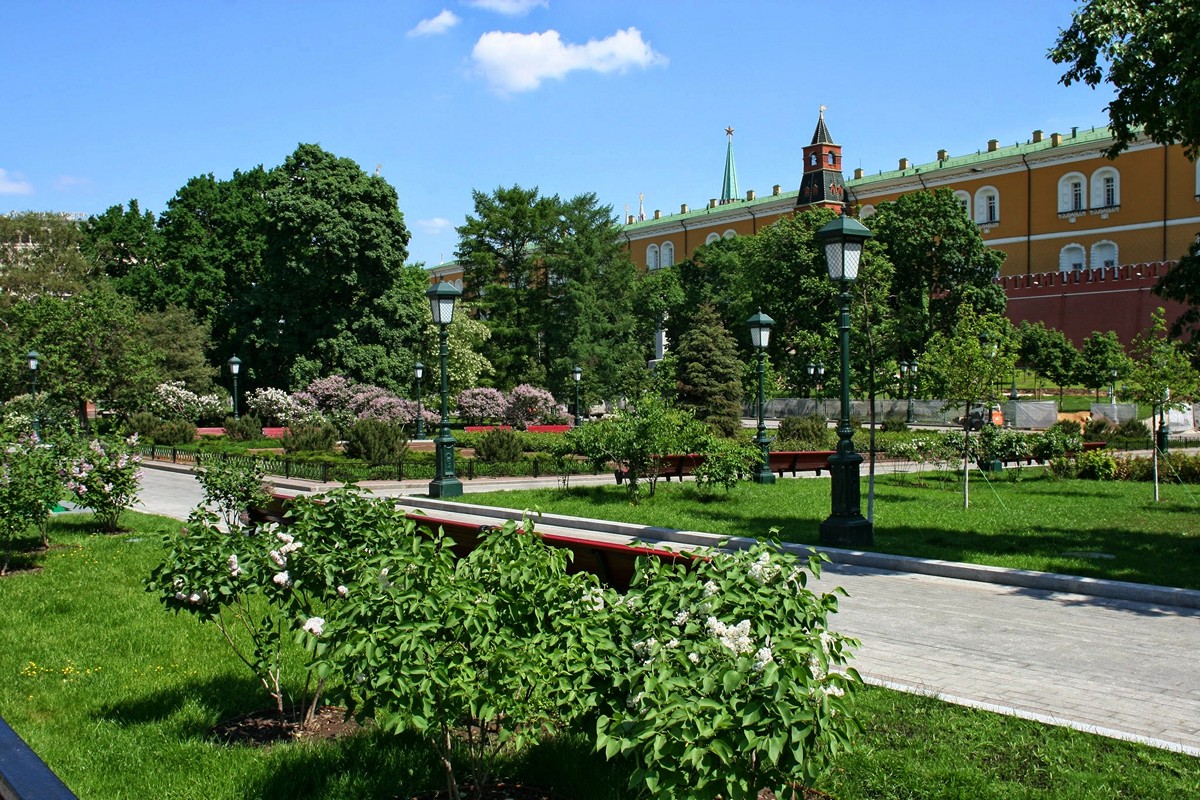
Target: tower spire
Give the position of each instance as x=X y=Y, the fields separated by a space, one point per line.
x=822 y=185
x=729 y=187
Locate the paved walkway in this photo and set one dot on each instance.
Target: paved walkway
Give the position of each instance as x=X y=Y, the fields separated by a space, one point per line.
x=1117 y=666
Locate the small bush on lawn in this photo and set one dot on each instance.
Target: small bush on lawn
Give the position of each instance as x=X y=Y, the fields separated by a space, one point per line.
x=1098 y=429
x=377 y=442
x=1096 y=465
x=310 y=438
x=173 y=432
x=243 y=429
x=499 y=446
x=1132 y=429
x=726 y=461
x=143 y=423
x=805 y=433
x=894 y=422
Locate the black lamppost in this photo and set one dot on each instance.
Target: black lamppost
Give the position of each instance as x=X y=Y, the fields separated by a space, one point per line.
x=34 y=360
x=1163 y=440
x=819 y=371
x=760 y=334
x=846 y=526
x=909 y=370
x=577 y=375
x=441 y=302
x=235 y=366
x=419 y=372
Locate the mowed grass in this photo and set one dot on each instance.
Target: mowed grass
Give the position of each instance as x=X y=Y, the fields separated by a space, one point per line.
x=1029 y=521
x=119 y=697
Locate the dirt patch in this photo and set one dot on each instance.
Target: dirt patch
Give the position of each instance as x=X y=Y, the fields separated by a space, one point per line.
x=265 y=727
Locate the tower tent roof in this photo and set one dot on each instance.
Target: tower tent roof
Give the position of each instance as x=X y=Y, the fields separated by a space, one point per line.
x=821 y=134
x=729 y=186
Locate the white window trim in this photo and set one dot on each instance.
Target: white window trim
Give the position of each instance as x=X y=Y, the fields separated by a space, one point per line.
x=964 y=197
x=1098 y=187
x=1068 y=266
x=981 y=207
x=729 y=234
x=652 y=261
x=1064 y=193
x=667 y=254
x=866 y=211
x=712 y=237
x=1097 y=262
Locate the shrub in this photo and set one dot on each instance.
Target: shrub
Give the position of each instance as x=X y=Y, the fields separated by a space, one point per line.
x=310 y=438
x=1096 y=465
x=528 y=405
x=895 y=422
x=1057 y=441
x=29 y=485
x=143 y=423
x=726 y=461
x=480 y=405
x=499 y=446
x=104 y=477
x=232 y=486
x=1098 y=429
x=173 y=400
x=243 y=429
x=172 y=432
x=273 y=405
x=806 y=433
x=725 y=677
x=377 y=442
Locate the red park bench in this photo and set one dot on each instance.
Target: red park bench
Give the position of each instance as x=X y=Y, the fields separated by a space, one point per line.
x=793 y=461
x=611 y=562
x=548 y=428
x=486 y=428
x=274 y=433
x=209 y=432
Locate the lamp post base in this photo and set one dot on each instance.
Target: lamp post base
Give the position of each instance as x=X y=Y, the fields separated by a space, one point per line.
x=445 y=487
x=847 y=532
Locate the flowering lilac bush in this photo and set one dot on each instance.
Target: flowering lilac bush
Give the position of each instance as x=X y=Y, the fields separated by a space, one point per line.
x=29 y=486
x=480 y=405
x=726 y=679
x=104 y=476
x=173 y=400
x=274 y=406
x=528 y=405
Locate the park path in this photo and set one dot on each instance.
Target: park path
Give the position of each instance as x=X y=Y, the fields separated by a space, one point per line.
x=1117 y=667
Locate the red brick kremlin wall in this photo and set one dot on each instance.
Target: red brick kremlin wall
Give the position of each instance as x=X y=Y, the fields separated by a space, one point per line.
x=1077 y=303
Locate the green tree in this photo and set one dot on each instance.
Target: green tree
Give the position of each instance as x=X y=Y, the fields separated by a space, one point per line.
x=466 y=366
x=1100 y=355
x=123 y=244
x=1161 y=375
x=92 y=348
x=39 y=257
x=1049 y=353
x=1146 y=51
x=1182 y=284
x=709 y=373
x=941 y=263
x=178 y=342
x=962 y=366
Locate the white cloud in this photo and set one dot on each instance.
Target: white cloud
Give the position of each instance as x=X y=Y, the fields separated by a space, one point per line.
x=14 y=183
x=435 y=25
x=519 y=62
x=509 y=8
x=434 y=226
x=66 y=183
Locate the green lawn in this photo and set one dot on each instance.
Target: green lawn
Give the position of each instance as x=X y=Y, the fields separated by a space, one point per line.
x=1035 y=522
x=118 y=696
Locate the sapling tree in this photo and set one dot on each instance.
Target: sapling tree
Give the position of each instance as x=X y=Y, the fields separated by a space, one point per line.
x=105 y=476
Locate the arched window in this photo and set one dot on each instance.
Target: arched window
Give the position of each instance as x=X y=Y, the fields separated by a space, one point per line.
x=668 y=254
x=812 y=160
x=712 y=237
x=964 y=199
x=1071 y=258
x=1106 y=188
x=987 y=206
x=833 y=159
x=1072 y=189
x=458 y=284
x=866 y=211
x=729 y=234
x=1104 y=254
x=652 y=257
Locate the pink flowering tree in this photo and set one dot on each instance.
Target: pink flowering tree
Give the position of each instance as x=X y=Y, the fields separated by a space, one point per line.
x=480 y=405
x=105 y=476
x=29 y=486
x=528 y=405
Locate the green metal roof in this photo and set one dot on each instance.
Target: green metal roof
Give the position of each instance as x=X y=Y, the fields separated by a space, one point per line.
x=729 y=187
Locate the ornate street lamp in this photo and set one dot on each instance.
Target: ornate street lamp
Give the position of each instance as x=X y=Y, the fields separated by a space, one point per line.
x=1112 y=390
x=846 y=526
x=760 y=334
x=419 y=372
x=909 y=370
x=34 y=359
x=817 y=370
x=441 y=302
x=577 y=375
x=235 y=366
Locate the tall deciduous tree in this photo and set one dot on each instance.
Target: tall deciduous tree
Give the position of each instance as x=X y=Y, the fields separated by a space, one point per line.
x=1182 y=284
x=1049 y=353
x=941 y=263
x=39 y=257
x=1100 y=355
x=124 y=244
x=1147 y=51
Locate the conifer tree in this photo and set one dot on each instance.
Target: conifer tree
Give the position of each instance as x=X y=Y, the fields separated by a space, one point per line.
x=709 y=373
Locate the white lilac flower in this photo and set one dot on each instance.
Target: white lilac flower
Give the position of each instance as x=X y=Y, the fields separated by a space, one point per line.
x=234 y=570
x=671 y=645
x=682 y=618
x=711 y=588
x=593 y=599
x=315 y=626
x=343 y=591
x=645 y=650
x=634 y=702
x=290 y=547
x=282 y=578
x=694 y=657
x=763 y=657
x=181 y=597
x=763 y=571
x=284 y=537
x=833 y=690
x=735 y=638
x=279 y=558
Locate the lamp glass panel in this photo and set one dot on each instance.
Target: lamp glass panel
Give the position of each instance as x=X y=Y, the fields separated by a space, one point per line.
x=853 y=256
x=759 y=334
x=833 y=258
x=443 y=310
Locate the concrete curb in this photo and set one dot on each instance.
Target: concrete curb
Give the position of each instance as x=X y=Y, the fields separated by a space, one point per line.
x=1025 y=579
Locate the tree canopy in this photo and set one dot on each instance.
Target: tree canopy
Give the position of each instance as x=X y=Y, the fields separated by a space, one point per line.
x=1147 y=50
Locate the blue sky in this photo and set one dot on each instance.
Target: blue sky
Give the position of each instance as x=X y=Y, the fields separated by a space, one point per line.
x=107 y=101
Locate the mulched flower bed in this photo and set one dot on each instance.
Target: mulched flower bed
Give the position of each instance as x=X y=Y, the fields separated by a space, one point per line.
x=265 y=727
